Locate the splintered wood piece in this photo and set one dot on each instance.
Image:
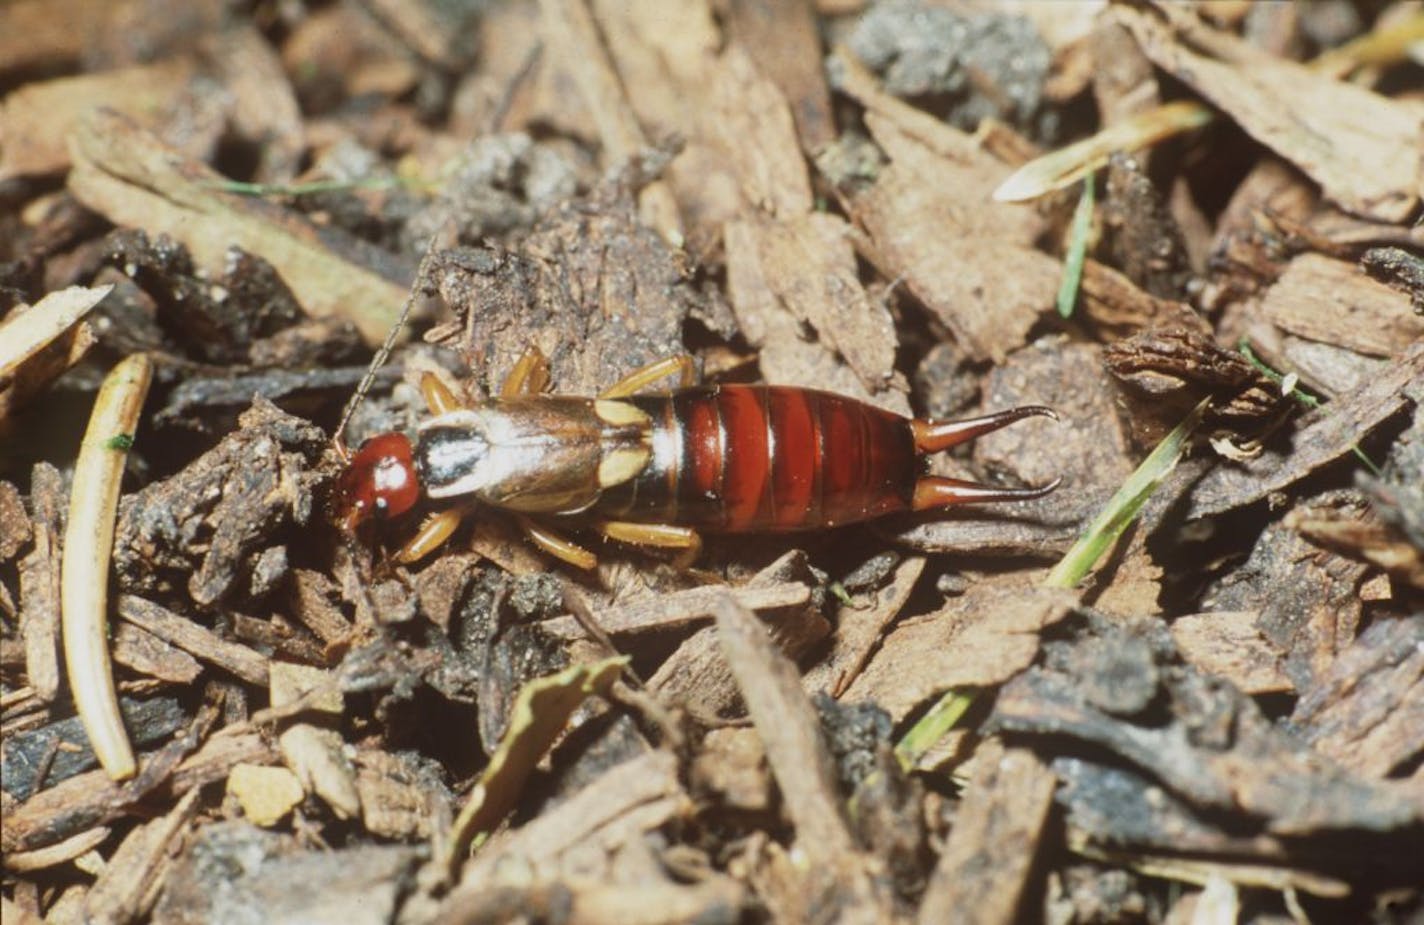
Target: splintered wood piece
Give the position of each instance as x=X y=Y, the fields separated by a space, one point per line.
x=82 y=801
x=785 y=356
x=1326 y=127
x=144 y=653
x=58 y=853
x=678 y=608
x=783 y=257
x=1367 y=708
x=1335 y=302
x=784 y=39
x=754 y=127
x=195 y=639
x=39 y=583
x=129 y=884
x=859 y=628
x=624 y=803
x=984 y=868
x=836 y=875
x=1335 y=430
x=980 y=639
x=28 y=329
x=697 y=677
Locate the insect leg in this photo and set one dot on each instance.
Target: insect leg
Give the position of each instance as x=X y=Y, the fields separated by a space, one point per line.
x=529 y=376
x=557 y=546
x=933 y=492
x=645 y=376
x=438 y=397
x=433 y=532
x=665 y=536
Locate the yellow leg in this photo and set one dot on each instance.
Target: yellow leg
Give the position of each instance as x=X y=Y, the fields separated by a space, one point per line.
x=530 y=374
x=664 y=536
x=557 y=546
x=645 y=376
x=433 y=532
x=438 y=398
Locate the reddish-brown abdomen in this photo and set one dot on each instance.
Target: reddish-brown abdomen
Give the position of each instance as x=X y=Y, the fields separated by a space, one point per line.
x=767 y=458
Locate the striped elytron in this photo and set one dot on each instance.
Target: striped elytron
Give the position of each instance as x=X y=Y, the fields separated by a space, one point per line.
x=655 y=469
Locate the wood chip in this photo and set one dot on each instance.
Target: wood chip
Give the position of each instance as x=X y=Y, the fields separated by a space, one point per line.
x=696 y=676
x=1228 y=643
x=859 y=627
x=61 y=852
x=133 y=875
x=1367 y=708
x=837 y=875
x=784 y=256
x=579 y=48
x=39 y=583
x=983 y=871
x=1328 y=128
x=91 y=798
x=678 y=608
x=970 y=261
x=1335 y=302
x=978 y=640
x=141 y=651
x=626 y=802
x=195 y=639
x=785 y=40
x=1332 y=432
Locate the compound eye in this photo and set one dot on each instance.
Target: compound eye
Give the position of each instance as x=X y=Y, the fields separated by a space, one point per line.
x=380 y=481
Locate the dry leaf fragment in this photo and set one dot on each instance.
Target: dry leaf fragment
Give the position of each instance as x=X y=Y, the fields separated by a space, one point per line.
x=540 y=711
x=131 y=178
x=36 y=119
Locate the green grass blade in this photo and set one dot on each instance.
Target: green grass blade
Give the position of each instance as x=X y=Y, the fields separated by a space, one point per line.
x=1124 y=506
x=1077 y=250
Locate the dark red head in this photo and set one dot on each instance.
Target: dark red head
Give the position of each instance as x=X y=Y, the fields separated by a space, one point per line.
x=379 y=482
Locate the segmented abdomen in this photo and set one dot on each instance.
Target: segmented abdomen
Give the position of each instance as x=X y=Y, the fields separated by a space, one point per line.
x=766 y=458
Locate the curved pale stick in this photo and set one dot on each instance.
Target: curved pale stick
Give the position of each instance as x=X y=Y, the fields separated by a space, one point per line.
x=88 y=545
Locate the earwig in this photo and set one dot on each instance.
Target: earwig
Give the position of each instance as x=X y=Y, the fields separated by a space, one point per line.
x=659 y=469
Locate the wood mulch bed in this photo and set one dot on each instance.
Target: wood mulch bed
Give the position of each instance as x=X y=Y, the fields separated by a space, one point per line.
x=1186 y=686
